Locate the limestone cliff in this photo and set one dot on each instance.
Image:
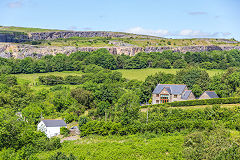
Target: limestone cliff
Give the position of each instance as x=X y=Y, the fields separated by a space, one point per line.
x=8 y=50
x=17 y=37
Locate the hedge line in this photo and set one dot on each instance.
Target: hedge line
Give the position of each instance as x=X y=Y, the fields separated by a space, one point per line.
x=112 y=128
x=230 y=100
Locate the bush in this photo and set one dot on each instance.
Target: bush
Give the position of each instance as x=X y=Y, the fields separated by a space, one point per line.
x=83 y=120
x=51 y=80
x=211 y=145
x=113 y=128
x=162 y=64
x=62 y=156
x=180 y=63
x=64 y=131
x=230 y=100
x=8 y=80
x=92 y=68
x=73 y=80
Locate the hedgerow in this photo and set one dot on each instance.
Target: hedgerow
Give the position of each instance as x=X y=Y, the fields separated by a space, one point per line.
x=230 y=100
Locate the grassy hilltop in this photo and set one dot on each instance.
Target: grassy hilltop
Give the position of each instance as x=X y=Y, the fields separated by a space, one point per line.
x=130 y=40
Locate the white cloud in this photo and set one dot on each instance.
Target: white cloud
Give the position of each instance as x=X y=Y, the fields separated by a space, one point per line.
x=197 y=33
x=185 y=33
x=226 y=33
x=15 y=4
x=140 y=30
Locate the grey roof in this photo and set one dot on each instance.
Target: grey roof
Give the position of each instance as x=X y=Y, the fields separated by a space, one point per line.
x=173 y=88
x=54 y=123
x=211 y=94
x=186 y=94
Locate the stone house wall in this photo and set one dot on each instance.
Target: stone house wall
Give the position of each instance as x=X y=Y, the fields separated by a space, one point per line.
x=204 y=96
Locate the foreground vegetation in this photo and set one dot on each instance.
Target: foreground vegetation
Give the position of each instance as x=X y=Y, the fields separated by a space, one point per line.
x=88 y=90
x=147 y=146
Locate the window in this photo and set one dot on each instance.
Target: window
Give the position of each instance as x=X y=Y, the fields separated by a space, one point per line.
x=157 y=101
x=164 y=98
x=175 y=96
x=157 y=95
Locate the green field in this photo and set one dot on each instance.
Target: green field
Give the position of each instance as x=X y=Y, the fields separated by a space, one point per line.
x=25 y=29
x=32 y=79
x=139 y=74
x=147 y=146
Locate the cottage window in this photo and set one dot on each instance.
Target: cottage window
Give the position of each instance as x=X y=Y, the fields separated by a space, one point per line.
x=164 y=98
x=157 y=95
x=175 y=96
x=157 y=101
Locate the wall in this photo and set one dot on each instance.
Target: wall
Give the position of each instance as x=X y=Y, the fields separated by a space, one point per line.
x=191 y=96
x=204 y=96
x=53 y=131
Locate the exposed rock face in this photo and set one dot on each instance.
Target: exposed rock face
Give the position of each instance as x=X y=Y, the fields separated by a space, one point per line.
x=8 y=50
x=17 y=37
x=56 y=35
x=14 y=37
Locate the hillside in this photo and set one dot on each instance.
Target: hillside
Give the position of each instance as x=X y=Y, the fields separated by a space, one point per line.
x=20 y=42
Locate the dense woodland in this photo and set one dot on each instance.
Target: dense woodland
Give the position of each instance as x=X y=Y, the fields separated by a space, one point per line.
x=113 y=102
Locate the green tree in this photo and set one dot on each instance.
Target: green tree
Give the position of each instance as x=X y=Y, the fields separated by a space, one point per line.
x=102 y=107
x=127 y=108
x=191 y=76
x=197 y=90
x=180 y=63
x=83 y=96
x=32 y=113
x=165 y=63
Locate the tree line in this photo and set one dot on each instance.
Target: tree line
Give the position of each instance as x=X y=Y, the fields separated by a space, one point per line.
x=102 y=57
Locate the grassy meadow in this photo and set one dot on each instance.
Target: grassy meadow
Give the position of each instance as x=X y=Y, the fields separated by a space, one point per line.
x=141 y=74
x=138 y=74
x=146 y=146
x=24 y=29
x=32 y=79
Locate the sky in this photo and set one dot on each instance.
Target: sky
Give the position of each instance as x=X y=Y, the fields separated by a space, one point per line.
x=164 y=18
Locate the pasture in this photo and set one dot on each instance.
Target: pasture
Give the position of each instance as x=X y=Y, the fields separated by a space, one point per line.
x=138 y=74
x=141 y=74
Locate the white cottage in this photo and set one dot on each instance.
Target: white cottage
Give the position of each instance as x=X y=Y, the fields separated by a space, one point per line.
x=51 y=127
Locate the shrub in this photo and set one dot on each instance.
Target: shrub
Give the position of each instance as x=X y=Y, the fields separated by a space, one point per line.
x=215 y=144
x=180 y=63
x=92 y=68
x=230 y=100
x=8 y=80
x=83 y=120
x=51 y=80
x=62 y=156
x=73 y=80
x=162 y=64
x=64 y=131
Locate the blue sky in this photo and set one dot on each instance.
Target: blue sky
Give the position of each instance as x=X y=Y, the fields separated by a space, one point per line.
x=166 y=18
